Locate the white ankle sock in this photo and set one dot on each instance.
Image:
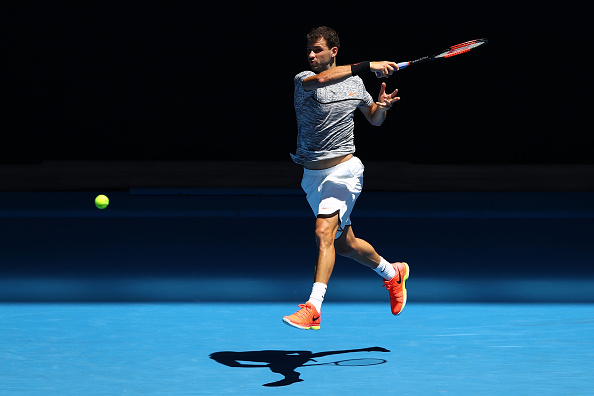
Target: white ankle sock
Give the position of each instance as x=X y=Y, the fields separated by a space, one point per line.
x=385 y=269
x=317 y=295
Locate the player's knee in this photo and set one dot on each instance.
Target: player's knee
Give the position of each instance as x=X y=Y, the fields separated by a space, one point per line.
x=325 y=233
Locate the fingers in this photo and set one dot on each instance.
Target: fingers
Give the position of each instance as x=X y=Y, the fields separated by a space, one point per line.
x=393 y=66
x=382 y=89
x=391 y=101
x=387 y=102
x=389 y=68
x=385 y=69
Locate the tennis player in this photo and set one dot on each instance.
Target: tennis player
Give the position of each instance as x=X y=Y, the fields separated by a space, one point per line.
x=326 y=99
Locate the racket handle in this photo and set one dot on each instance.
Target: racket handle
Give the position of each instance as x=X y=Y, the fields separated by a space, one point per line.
x=401 y=66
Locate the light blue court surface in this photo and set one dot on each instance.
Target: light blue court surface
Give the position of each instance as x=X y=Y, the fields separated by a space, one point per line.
x=166 y=349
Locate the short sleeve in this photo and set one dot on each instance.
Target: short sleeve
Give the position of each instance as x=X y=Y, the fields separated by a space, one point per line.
x=300 y=93
x=367 y=100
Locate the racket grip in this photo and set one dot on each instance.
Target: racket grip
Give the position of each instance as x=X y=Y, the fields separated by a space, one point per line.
x=401 y=66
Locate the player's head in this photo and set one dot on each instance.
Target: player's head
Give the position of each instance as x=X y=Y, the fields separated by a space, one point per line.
x=322 y=47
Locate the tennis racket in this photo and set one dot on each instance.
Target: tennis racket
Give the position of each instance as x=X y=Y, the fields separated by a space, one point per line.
x=448 y=53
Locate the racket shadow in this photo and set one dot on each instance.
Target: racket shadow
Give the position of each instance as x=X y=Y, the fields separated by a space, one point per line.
x=286 y=363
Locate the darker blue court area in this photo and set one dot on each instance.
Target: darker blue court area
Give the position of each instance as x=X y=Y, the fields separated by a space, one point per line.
x=189 y=245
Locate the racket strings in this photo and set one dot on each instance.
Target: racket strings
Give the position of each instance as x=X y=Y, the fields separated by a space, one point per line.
x=462 y=48
x=456 y=52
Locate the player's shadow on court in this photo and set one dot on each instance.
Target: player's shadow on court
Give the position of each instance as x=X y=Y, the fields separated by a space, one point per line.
x=286 y=362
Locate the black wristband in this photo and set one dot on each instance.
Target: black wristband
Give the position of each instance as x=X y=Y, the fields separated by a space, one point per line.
x=361 y=67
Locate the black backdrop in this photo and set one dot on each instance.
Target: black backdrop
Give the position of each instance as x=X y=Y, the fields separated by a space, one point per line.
x=95 y=81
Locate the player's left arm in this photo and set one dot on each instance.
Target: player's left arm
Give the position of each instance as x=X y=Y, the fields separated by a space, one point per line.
x=376 y=113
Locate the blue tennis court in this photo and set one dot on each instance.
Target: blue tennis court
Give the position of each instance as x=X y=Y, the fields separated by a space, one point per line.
x=150 y=348
x=154 y=296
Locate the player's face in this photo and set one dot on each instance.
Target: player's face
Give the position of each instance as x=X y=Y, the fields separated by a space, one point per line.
x=320 y=57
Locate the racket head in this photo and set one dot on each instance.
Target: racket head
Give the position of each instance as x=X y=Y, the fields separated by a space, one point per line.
x=461 y=48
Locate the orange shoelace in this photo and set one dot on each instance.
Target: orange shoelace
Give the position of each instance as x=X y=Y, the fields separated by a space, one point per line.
x=305 y=313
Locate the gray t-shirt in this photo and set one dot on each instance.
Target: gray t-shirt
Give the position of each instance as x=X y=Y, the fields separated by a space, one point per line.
x=325 y=126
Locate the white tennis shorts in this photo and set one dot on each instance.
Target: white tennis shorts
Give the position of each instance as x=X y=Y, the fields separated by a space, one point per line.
x=334 y=190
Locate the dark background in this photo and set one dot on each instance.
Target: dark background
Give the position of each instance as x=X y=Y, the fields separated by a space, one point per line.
x=96 y=81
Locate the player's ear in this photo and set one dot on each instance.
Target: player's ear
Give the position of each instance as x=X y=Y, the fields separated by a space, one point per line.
x=334 y=51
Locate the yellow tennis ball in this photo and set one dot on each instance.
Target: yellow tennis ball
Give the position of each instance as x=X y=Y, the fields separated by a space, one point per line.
x=101 y=201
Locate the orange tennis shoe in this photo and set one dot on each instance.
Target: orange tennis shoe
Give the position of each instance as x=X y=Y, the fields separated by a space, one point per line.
x=397 y=287
x=307 y=318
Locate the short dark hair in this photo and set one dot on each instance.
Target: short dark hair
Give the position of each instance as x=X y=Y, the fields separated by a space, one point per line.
x=326 y=33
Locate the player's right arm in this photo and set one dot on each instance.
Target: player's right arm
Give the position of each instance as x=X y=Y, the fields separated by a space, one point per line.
x=340 y=73
x=327 y=77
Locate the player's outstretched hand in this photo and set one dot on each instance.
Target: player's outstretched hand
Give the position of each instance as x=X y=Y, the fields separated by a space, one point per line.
x=383 y=69
x=384 y=100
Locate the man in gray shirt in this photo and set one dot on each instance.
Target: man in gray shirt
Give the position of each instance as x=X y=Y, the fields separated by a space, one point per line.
x=325 y=102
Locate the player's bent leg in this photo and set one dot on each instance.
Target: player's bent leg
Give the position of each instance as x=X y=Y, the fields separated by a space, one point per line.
x=348 y=245
x=358 y=249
